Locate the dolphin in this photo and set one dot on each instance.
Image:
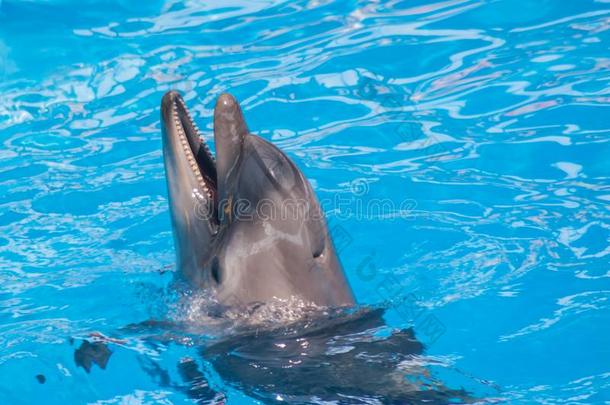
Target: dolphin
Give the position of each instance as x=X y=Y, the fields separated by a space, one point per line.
x=246 y=223
x=248 y=227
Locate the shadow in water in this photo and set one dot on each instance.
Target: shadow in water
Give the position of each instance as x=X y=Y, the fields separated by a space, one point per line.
x=351 y=358
x=348 y=357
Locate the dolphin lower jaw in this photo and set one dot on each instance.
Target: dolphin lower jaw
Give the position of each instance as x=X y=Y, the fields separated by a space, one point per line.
x=185 y=146
x=192 y=190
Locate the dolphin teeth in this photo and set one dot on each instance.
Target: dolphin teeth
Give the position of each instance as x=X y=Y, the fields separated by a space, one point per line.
x=181 y=114
x=195 y=127
x=187 y=148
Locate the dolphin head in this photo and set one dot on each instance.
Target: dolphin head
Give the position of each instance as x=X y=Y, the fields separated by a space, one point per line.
x=247 y=224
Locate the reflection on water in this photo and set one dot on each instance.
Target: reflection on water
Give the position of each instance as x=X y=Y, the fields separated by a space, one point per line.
x=490 y=115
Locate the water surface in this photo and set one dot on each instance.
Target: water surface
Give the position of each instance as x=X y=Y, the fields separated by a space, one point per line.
x=483 y=123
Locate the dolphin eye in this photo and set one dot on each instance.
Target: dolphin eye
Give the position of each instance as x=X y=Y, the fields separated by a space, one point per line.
x=215 y=270
x=318 y=252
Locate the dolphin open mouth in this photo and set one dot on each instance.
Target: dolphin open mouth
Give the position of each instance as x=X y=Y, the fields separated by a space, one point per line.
x=181 y=130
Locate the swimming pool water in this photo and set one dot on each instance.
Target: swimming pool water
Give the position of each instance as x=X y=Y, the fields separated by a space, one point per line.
x=482 y=124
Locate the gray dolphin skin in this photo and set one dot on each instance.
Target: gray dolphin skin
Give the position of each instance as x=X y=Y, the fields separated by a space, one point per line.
x=247 y=224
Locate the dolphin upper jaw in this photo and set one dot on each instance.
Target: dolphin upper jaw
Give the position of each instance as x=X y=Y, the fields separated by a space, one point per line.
x=230 y=131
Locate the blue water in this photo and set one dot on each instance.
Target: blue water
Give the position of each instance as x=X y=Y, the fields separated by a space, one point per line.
x=483 y=123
